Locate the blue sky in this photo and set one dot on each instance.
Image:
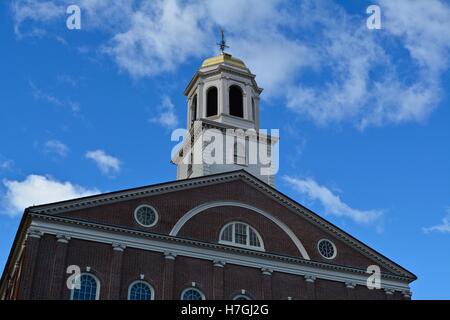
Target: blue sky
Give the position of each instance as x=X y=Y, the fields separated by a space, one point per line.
x=363 y=114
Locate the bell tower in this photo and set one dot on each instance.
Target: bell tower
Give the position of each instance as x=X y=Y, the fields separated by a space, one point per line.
x=223 y=96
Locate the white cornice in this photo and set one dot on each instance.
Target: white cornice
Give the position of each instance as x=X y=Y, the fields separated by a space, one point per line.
x=130 y=238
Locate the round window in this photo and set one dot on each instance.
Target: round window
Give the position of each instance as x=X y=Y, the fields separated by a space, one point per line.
x=327 y=249
x=146 y=216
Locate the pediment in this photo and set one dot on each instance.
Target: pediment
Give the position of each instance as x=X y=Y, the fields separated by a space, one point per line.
x=313 y=225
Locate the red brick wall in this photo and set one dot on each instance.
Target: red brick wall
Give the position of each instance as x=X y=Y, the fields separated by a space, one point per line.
x=135 y=263
x=187 y=270
x=97 y=256
x=207 y=225
x=172 y=206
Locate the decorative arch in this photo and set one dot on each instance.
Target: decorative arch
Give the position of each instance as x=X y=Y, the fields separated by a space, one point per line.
x=236 y=98
x=193 y=212
x=89 y=288
x=143 y=293
x=192 y=293
x=212 y=101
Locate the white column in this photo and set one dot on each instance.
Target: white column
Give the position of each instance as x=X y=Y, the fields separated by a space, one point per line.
x=201 y=98
x=247 y=102
x=225 y=96
x=189 y=102
x=256 y=98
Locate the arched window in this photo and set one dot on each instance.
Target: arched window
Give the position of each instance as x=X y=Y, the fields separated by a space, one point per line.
x=89 y=288
x=236 y=101
x=241 y=297
x=192 y=294
x=194 y=109
x=140 y=290
x=241 y=235
x=211 y=102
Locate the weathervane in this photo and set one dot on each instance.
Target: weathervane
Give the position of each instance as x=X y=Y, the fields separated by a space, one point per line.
x=222 y=44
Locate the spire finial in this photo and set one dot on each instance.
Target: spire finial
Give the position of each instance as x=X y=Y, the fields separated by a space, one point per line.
x=222 y=44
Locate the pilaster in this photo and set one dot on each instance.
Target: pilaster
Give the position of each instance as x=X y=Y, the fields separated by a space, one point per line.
x=310 y=286
x=267 y=283
x=32 y=244
x=169 y=277
x=116 y=271
x=58 y=267
x=218 y=275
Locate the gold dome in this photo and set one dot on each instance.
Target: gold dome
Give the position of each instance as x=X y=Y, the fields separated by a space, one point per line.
x=223 y=58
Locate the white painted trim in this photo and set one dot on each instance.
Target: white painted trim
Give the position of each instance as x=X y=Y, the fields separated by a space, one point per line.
x=193 y=212
x=97 y=292
x=233 y=232
x=194 y=289
x=211 y=254
x=334 y=248
x=146 y=206
x=144 y=282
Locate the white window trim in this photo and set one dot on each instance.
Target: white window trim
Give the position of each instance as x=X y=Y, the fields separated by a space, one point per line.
x=97 y=292
x=191 y=288
x=234 y=244
x=334 y=248
x=144 y=282
x=147 y=206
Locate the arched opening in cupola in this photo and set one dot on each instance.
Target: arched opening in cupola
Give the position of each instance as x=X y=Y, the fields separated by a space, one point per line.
x=211 y=102
x=236 y=101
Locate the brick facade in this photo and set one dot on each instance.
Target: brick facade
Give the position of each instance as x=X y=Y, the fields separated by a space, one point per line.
x=46 y=256
x=170 y=277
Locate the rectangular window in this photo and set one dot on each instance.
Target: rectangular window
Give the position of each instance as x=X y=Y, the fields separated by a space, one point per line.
x=240 y=233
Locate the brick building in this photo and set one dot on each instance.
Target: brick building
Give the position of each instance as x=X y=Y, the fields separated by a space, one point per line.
x=220 y=231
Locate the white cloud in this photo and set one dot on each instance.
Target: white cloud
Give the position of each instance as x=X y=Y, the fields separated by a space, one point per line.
x=149 y=38
x=6 y=165
x=65 y=78
x=424 y=27
x=39 y=94
x=36 y=189
x=56 y=147
x=161 y=36
x=351 y=57
x=106 y=163
x=332 y=204
x=276 y=65
x=167 y=114
x=444 y=227
x=359 y=76
x=35 y=11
